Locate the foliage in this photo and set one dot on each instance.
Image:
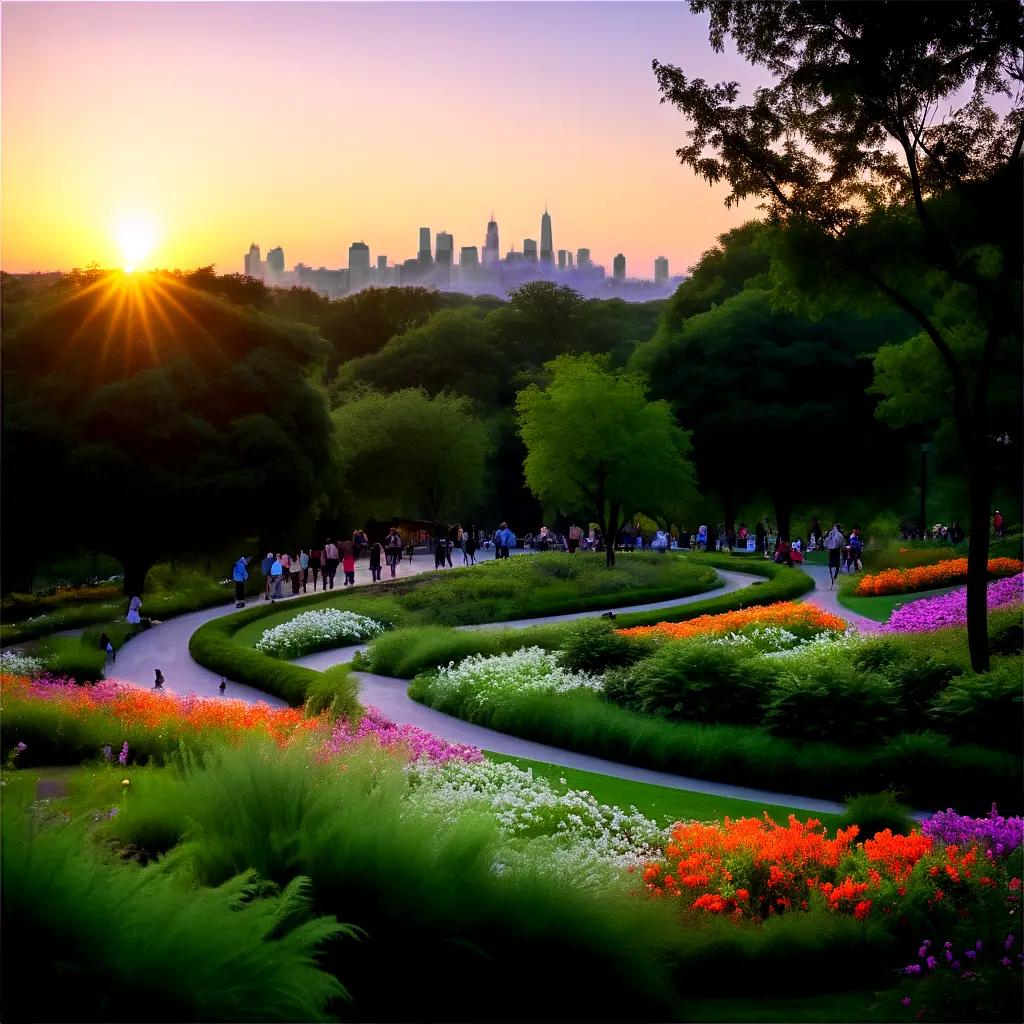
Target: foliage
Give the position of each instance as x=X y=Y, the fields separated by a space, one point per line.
x=191 y=425
x=596 y=445
x=239 y=951
x=595 y=645
x=875 y=812
x=422 y=457
x=984 y=708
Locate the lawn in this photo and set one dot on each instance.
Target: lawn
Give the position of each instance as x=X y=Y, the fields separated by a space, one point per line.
x=664 y=804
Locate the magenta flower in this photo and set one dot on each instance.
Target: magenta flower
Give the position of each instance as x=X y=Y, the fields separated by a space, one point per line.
x=950 y=609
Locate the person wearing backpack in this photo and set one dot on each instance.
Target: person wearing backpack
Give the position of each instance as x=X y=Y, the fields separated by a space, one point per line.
x=240 y=574
x=376 y=554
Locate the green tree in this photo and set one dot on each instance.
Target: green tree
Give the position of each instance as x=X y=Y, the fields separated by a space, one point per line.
x=411 y=454
x=595 y=443
x=851 y=149
x=147 y=419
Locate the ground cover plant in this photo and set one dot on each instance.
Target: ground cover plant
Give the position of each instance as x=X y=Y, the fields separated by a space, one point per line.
x=317 y=630
x=929 y=577
x=951 y=609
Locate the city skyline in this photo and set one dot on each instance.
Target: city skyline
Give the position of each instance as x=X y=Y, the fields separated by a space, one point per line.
x=146 y=120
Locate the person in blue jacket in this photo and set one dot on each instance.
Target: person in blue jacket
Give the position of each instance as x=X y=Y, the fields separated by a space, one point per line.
x=240 y=574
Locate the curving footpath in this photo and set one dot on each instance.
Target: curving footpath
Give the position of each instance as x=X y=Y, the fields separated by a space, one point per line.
x=166 y=647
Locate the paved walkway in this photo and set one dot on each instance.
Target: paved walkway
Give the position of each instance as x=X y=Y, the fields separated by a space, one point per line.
x=828 y=599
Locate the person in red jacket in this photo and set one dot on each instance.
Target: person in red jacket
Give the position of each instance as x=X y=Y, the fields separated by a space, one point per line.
x=348 y=564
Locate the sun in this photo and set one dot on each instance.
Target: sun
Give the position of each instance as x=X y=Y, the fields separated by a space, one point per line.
x=136 y=240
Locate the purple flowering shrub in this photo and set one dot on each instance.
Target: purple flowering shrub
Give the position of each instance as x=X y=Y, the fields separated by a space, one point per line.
x=951 y=609
x=418 y=743
x=998 y=835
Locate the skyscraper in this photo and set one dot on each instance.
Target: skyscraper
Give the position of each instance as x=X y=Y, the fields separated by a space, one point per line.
x=530 y=249
x=546 y=249
x=491 y=251
x=619 y=267
x=382 y=264
x=583 y=258
x=561 y=259
x=660 y=270
x=358 y=266
x=275 y=263
x=444 y=250
x=253 y=262
x=568 y=258
x=424 y=256
x=468 y=257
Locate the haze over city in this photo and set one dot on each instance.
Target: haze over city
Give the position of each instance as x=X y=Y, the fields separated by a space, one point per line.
x=184 y=132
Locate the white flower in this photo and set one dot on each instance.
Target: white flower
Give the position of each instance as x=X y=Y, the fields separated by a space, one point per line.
x=317 y=630
x=17 y=664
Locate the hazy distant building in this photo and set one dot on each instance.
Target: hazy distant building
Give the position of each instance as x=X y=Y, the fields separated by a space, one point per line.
x=491 y=250
x=530 y=249
x=619 y=267
x=382 y=264
x=468 y=257
x=253 y=263
x=358 y=266
x=424 y=256
x=444 y=250
x=330 y=283
x=546 y=248
x=275 y=264
x=410 y=272
x=583 y=258
x=561 y=259
x=513 y=257
x=660 y=270
x=568 y=257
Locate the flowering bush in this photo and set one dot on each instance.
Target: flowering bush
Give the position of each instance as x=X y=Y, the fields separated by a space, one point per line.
x=528 y=807
x=951 y=609
x=317 y=631
x=17 y=664
x=160 y=720
x=998 y=835
x=481 y=680
x=784 y=614
x=772 y=640
x=929 y=577
x=756 y=868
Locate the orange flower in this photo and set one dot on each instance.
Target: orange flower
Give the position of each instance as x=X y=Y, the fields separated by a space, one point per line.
x=928 y=577
x=782 y=613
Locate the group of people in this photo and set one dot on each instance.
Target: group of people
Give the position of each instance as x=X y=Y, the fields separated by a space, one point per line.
x=468 y=542
x=320 y=565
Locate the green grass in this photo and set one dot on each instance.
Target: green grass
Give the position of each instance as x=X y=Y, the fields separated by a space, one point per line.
x=880 y=608
x=663 y=804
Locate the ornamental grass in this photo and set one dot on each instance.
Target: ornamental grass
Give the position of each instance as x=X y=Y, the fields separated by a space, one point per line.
x=929 y=577
x=784 y=614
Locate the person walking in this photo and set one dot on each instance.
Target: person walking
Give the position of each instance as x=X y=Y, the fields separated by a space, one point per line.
x=359 y=542
x=295 y=570
x=348 y=563
x=856 y=549
x=440 y=550
x=266 y=566
x=133 y=617
x=469 y=551
x=503 y=540
x=304 y=567
x=834 y=543
x=998 y=523
x=393 y=548
x=331 y=559
x=814 y=534
x=158 y=682
x=276 y=579
x=316 y=557
x=575 y=536
x=376 y=556
x=240 y=574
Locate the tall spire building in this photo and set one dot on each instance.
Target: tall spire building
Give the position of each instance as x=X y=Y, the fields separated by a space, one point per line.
x=547 y=254
x=491 y=251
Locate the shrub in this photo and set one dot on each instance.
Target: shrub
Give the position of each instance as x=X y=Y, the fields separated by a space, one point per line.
x=700 y=682
x=96 y=940
x=1006 y=631
x=917 y=676
x=594 y=645
x=984 y=708
x=875 y=812
x=839 y=702
x=317 y=631
x=70 y=657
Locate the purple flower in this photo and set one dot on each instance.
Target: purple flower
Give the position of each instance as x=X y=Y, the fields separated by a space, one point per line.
x=108 y=754
x=1009 y=941
x=949 y=956
x=122 y=758
x=970 y=954
x=912 y=969
x=20 y=747
x=994 y=832
x=1006 y=961
x=951 y=609
x=922 y=952
x=906 y=1000
x=931 y=962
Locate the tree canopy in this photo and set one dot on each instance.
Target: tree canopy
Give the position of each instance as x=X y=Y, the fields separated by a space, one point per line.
x=596 y=445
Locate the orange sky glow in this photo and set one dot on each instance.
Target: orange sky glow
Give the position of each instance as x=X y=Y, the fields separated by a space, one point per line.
x=204 y=127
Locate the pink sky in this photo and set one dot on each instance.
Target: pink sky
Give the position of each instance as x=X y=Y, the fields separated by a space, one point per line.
x=315 y=125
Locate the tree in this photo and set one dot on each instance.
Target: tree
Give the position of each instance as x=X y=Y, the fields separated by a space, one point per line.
x=775 y=400
x=150 y=419
x=849 y=148
x=409 y=454
x=595 y=443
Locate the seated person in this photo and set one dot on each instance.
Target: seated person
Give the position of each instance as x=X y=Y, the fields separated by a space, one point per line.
x=783 y=552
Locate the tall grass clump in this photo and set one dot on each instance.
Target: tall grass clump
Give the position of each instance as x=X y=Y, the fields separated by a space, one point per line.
x=91 y=939
x=874 y=812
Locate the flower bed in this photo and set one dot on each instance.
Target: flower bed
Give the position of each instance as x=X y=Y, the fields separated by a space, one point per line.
x=156 y=722
x=754 y=868
x=481 y=680
x=784 y=614
x=317 y=631
x=931 y=613
x=998 y=835
x=929 y=577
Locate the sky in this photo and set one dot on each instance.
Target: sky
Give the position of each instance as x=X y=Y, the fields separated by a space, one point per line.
x=200 y=128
